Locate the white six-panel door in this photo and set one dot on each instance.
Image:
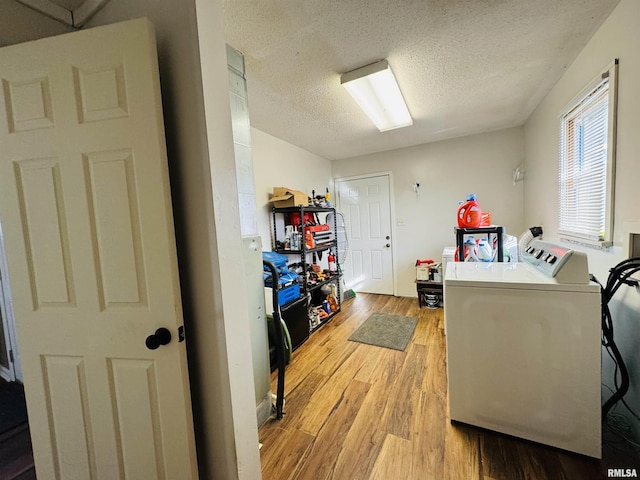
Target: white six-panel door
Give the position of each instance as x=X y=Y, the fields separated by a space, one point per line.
x=86 y=213
x=365 y=204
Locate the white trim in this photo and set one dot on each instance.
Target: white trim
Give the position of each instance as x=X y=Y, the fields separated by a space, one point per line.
x=6 y=375
x=612 y=142
x=5 y=325
x=392 y=213
x=263 y=410
x=586 y=89
x=9 y=322
x=610 y=74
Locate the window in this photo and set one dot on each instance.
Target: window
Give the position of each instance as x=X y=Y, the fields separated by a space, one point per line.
x=587 y=156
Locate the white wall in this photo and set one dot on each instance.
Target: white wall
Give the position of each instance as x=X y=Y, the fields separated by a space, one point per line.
x=277 y=163
x=203 y=181
x=252 y=244
x=619 y=37
x=19 y=23
x=447 y=171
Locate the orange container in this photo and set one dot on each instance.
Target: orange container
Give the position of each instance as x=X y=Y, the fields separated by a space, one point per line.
x=469 y=214
x=485 y=219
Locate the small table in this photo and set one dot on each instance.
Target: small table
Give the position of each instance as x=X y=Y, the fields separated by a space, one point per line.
x=428 y=287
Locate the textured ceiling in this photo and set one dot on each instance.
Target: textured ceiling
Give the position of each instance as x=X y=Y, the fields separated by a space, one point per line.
x=464 y=66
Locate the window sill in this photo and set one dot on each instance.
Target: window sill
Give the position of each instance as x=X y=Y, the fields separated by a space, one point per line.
x=584 y=242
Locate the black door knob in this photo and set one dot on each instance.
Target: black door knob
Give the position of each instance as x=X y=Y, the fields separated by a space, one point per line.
x=161 y=337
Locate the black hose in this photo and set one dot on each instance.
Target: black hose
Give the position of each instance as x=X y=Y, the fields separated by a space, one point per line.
x=280 y=346
x=618 y=276
x=624 y=374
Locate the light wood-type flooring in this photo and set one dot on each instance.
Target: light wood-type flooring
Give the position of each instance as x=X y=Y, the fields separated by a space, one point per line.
x=355 y=411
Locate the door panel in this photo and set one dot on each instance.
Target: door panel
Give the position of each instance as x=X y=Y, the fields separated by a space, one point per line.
x=41 y=206
x=115 y=224
x=134 y=389
x=65 y=382
x=86 y=212
x=365 y=203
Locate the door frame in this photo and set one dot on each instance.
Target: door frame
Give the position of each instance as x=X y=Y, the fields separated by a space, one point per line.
x=392 y=212
x=8 y=321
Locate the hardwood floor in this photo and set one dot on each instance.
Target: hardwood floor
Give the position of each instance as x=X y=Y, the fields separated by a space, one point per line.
x=16 y=459
x=355 y=411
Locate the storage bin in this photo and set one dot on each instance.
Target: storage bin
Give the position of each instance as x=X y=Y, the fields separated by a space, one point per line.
x=296 y=317
x=288 y=294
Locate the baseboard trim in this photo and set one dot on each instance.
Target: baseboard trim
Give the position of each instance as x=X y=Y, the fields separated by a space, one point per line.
x=263 y=410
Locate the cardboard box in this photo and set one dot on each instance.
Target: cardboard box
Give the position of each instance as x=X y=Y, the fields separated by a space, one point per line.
x=287 y=197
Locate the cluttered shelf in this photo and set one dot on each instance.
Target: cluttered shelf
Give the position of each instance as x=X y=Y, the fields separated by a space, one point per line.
x=311 y=286
x=322 y=321
x=312 y=209
x=316 y=249
x=305 y=252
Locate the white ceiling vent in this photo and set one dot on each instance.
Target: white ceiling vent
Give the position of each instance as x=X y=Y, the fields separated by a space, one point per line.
x=71 y=12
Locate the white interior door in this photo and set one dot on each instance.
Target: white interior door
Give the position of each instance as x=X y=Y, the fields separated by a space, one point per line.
x=86 y=213
x=365 y=204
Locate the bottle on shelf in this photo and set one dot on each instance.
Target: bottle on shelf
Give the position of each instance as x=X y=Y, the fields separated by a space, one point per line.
x=332 y=263
x=331 y=298
x=309 y=239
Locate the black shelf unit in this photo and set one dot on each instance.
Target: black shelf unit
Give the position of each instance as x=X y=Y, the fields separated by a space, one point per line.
x=279 y=220
x=497 y=230
x=324 y=320
x=425 y=287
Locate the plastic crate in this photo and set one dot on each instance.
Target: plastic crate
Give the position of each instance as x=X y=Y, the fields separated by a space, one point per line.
x=288 y=294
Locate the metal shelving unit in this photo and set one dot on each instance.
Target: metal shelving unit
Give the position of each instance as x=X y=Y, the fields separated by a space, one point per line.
x=279 y=220
x=496 y=230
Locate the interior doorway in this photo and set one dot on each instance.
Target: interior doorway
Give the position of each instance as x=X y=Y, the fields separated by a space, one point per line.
x=10 y=369
x=16 y=456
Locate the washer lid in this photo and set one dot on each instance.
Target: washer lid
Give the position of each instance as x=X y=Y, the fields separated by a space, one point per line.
x=507 y=275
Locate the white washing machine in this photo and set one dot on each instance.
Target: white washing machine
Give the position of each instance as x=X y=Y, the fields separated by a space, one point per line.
x=523 y=347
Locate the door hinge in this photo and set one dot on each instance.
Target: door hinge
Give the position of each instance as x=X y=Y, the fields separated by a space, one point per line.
x=181 y=333
x=11 y=356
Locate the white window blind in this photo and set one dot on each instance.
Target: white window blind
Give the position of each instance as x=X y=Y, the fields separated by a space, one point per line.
x=586 y=164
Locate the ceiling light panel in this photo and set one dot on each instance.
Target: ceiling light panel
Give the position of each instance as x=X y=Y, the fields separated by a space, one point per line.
x=375 y=89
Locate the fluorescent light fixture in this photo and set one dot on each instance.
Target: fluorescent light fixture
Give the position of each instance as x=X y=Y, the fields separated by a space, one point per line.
x=375 y=89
